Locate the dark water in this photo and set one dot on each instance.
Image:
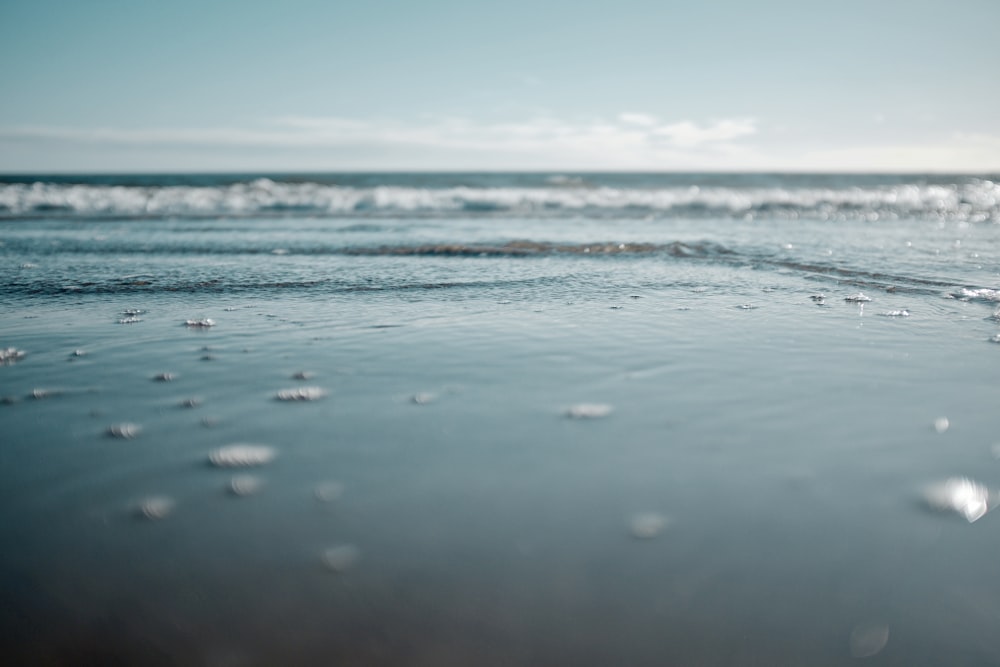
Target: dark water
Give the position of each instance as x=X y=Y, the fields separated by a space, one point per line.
x=559 y=419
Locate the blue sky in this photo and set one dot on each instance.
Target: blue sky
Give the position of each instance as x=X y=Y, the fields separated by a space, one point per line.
x=442 y=85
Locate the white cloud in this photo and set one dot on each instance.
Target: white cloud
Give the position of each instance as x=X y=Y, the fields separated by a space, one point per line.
x=637 y=119
x=687 y=133
x=633 y=140
x=630 y=141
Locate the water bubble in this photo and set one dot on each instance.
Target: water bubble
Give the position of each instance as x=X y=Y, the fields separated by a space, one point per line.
x=868 y=639
x=39 y=394
x=589 y=411
x=244 y=485
x=241 y=456
x=301 y=394
x=941 y=424
x=341 y=558
x=960 y=495
x=11 y=355
x=327 y=492
x=156 y=508
x=647 y=525
x=746 y=306
x=200 y=324
x=125 y=430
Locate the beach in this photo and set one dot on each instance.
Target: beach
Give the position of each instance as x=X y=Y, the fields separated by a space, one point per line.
x=489 y=419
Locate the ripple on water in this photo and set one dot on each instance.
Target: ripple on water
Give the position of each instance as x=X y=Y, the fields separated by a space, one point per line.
x=164 y=377
x=341 y=557
x=301 y=394
x=125 y=430
x=589 y=411
x=241 y=456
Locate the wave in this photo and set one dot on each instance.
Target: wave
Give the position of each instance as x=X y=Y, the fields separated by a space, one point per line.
x=970 y=200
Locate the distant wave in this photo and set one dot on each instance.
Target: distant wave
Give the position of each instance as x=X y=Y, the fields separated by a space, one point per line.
x=972 y=200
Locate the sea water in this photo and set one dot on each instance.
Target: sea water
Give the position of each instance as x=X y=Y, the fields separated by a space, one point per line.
x=456 y=419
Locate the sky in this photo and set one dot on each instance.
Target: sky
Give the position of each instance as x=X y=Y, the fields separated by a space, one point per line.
x=545 y=85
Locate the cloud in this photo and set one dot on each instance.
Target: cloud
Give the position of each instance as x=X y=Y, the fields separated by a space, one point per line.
x=632 y=140
x=687 y=133
x=629 y=141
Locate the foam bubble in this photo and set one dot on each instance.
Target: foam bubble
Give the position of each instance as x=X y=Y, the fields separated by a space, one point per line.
x=327 y=492
x=647 y=525
x=200 y=324
x=960 y=495
x=125 y=430
x=941 y=424
x=130 y=320
x=341 y=558
x=242 y=456
x=301 y=394
x=589 y=411
x=868 y=639
x=896 y=313
x=11 y=355
x=155 y=508
x=244 y=485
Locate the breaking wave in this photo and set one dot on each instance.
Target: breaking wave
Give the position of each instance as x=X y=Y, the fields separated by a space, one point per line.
x=964 y=199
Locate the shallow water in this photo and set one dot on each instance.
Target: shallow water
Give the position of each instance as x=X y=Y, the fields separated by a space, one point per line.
x=499 y=410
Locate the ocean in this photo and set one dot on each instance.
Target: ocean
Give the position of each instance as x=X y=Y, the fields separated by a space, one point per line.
x=500 y=419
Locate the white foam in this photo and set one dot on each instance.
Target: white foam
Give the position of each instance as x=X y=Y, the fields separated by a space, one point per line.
x=301 y=394
x=961 y=495
x=10 y=355
x=155 y=508
x=647 y=525
x=341 y=558
x=242 y=456
x=589 y=411
x=125 y=430
x=975 y=200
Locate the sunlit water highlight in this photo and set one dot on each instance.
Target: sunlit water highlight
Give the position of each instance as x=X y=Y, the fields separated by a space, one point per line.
x=515 y=435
